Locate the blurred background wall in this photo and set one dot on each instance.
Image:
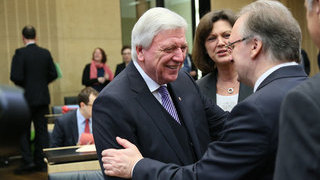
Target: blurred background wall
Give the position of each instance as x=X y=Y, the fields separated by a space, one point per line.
x=71 y=29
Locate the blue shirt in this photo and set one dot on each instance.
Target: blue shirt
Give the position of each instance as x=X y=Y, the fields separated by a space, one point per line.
x=81 y=121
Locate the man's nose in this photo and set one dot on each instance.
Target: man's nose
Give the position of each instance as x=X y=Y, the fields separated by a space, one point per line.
x=179 y=54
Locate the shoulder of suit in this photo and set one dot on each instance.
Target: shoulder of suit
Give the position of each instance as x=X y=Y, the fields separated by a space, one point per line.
x=121 y=64
x=20 y=49
x=204 y=80
x=42 y=48
x=183 y=74
x=87 y=66
x=35 y=46
x=68 y=115
x=309 y=86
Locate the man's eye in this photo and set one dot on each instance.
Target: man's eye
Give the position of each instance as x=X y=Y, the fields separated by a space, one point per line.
x=169 y=50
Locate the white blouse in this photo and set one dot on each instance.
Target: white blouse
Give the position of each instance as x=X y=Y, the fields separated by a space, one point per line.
x=227 y=102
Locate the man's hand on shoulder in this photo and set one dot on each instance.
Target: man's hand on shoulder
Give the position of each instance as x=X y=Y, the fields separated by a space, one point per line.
x=120 y=162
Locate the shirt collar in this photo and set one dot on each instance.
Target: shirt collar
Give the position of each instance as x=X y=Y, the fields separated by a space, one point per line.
x=80 y=117
x=152 y=85
x=269 y=71
x=31 y=42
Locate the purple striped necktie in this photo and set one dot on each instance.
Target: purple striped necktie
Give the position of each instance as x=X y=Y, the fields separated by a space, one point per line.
x=167 y=103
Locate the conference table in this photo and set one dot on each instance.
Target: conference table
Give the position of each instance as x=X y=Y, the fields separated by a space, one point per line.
x=65 y=159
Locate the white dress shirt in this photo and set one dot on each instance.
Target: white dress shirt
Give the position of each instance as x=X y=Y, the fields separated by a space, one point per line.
x=269 y=71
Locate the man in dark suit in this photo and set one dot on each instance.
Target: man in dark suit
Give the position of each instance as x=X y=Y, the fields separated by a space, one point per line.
x=33 y=69
x=189 y=66
x=68 y=128
x=248 y=145
x=299 y=133
x=126 y=57
x=151 y=103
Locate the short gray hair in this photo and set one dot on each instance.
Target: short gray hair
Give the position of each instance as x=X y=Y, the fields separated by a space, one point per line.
x=274 y=24
x=151 y=23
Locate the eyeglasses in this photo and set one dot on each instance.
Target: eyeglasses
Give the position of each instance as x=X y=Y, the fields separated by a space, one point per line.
x=230 y=46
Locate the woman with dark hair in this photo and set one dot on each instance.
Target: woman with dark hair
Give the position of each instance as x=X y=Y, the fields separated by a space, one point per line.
x=210 y=55
x=97 y=74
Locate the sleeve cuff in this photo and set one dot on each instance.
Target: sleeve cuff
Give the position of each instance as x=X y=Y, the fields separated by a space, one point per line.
x=132 y=170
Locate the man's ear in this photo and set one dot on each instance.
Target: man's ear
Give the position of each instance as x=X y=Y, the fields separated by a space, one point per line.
x=256 y=48
x=140 y=54
x=81 y=104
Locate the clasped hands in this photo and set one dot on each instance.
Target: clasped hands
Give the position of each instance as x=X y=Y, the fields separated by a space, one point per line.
x=120 y=162
x=103 y=79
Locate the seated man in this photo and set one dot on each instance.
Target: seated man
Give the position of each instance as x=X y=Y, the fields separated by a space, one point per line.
x=75 y=127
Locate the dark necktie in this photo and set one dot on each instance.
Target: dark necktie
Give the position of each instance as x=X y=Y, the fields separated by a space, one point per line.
x=167 y=103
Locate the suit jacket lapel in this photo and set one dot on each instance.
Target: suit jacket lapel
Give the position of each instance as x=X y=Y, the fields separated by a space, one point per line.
x=74 y=123
x=211 y=86
x=153 y=108
x=244 y=91
x=283 y=72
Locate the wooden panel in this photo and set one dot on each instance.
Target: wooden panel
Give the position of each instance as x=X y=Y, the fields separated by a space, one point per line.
x=77 y=166
x=81 y=28
x=70 y=30
x=4 y=46
x=234 y=5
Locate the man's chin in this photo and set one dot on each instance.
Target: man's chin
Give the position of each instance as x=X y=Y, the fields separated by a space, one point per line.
x=170 y=79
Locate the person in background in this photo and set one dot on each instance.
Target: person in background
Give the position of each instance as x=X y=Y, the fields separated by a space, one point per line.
x=75 y=127
x=210 y=55
x=33 y=69
x=189 y=66
x=154 y=104
x=305 y=63
x=126 y=57
x=298 y=154
x=97 y=74
x=248 y=145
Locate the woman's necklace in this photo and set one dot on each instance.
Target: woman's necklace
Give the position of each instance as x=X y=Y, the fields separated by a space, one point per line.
x=231 y=89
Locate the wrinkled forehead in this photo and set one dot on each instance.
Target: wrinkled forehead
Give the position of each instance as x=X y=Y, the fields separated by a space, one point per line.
x=171 y=36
